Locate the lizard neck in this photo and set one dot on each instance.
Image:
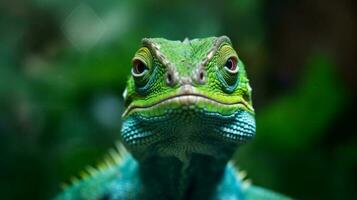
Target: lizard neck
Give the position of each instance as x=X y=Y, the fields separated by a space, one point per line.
x=170 y=178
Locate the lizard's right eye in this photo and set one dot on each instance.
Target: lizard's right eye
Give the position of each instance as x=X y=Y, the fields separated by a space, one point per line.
x=139 y=68
x=142 y=67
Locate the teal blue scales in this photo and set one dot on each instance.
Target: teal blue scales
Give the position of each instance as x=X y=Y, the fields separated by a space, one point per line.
x=188 y=108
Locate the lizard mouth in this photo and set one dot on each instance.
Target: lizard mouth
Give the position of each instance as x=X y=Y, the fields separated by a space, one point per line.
x=186 y=99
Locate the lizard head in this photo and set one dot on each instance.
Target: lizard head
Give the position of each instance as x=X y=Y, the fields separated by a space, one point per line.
x=187 y=97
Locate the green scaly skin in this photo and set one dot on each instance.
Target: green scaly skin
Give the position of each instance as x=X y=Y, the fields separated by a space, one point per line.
x=188 y=107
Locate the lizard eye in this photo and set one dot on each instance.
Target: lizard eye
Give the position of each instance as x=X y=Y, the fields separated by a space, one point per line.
x=231 y=65
x=139 y=68
x=229 y=74
x=142 y=68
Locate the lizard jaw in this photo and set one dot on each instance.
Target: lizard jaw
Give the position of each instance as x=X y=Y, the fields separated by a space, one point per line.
x=185 y=99
x=188 y=95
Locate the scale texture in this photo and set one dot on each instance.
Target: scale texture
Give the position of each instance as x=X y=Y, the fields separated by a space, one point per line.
x=187 y=109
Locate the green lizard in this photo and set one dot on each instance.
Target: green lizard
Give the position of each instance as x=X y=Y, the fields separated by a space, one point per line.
x=187 y=108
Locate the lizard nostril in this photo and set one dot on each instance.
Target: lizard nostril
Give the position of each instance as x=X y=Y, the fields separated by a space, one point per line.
x=169 y=78
x=201 y=76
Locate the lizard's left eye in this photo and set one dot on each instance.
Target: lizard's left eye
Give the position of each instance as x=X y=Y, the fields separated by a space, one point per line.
x=229 y=73
x=231 y=65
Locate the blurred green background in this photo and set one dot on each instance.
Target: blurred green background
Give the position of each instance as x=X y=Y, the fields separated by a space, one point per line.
x=64 y=64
